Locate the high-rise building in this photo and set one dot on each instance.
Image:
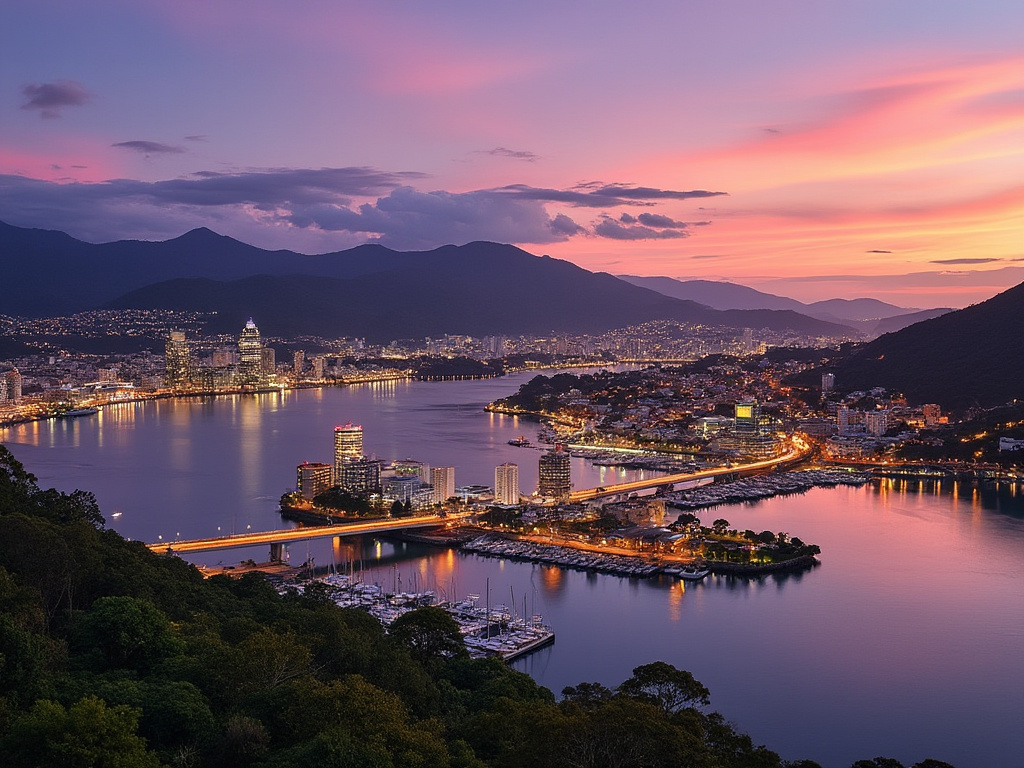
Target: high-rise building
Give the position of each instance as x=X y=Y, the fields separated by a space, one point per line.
x=877 y=422
x=298 y=362
x=358 y=475
x=932 y=414
x=177 y=360
x=13 y=379
x=554 y=472
x=250 y=354
x=348 y=444
x=312 y=478
x=843 y=420
x=506 y=484
x=268 y=362
x=828 y=382
x=443 y=480
x=318 y=367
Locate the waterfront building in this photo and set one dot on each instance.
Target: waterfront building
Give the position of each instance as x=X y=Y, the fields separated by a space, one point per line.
x=177 y=360
x=554 y=473
x=250 y=356
x=313 y=478
x=506 y=483
x=268 y=362
x=348 y=444
x=443 y=480
x=359 y=475
x=13 y=380
x=298 y=362
x=318 y=368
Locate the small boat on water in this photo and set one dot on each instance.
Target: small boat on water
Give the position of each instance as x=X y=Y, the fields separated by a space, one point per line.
x=520 y=442
x=692 y=573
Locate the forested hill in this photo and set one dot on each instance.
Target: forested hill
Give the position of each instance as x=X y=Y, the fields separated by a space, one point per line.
x=971 y=357
x=113 y=656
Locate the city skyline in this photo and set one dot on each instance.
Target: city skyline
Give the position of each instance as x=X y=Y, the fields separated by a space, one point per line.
x=803 y=150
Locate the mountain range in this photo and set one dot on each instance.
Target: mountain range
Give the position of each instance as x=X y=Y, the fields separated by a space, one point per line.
x=870 y=316
x=479 y=288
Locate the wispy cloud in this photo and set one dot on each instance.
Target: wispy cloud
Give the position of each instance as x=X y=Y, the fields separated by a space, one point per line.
x=149 y=147
x=514 y=154
x=50 y=98
x=964 y=261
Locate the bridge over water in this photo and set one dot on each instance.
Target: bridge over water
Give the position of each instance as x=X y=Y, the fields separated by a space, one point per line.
x=278 y=538
x=798 y=450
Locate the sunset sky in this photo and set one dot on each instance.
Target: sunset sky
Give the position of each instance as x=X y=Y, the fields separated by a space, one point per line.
x=809 y=149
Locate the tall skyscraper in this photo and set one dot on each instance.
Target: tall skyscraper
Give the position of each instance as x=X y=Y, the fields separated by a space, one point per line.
x=828 y=382
x=348 y=444
x=177 y=360
x=443 y=480
x=298 y=362
x=506 y=484
x=554 y=471
x=250 y=353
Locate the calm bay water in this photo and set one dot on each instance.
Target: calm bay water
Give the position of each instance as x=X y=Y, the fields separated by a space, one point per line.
x=904 y=642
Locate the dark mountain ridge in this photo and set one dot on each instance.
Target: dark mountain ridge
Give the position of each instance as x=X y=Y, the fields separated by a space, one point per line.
x=970 y=357
x=368 y=291
x=869 y=316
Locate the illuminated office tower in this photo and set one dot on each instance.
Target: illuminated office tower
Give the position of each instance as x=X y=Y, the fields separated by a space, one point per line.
x=506 y=484
x=298 y=362
x=312 y=478
x=177 y=360
x=443 y=480
x=250 y=353
x=554 y=471
x=828 y=382
x=348 y=444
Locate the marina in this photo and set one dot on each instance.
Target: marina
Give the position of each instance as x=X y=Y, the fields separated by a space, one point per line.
x=498 y=632
x=763 y=487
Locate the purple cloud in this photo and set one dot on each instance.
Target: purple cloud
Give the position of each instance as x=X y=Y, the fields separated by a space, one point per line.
x=149 y=147
x=315 y=207
x=657 y=220
x=615 y=231
x=598 y=195
x=514 y=154
x=51 y=98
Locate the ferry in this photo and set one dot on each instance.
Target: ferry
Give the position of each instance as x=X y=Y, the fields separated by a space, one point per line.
x=520 y=442
x=79 y=412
